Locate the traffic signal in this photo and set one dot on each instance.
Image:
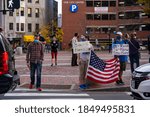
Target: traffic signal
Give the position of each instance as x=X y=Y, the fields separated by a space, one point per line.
x=13 y=4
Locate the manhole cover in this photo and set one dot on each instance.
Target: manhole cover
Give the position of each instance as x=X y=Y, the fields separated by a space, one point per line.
x=49 y=86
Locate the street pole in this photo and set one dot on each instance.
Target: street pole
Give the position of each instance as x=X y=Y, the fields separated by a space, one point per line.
x=109 y=31
x=149 y=47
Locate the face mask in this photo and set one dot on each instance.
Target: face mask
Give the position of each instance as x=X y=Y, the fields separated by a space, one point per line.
x=36 y=41
x=118 y=37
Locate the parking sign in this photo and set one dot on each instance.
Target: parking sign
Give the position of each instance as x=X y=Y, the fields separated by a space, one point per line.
x=73 y=8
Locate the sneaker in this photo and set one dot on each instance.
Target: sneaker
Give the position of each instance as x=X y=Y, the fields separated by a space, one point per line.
x=31 y=86
x=84 y=86
x=121 y=82
x=39 y=89
x=118 y=82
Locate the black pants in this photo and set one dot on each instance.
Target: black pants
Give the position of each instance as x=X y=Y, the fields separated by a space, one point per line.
x=74 y=59
x=134 y=59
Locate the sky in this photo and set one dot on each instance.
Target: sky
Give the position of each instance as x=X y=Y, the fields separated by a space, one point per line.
x=59 y=6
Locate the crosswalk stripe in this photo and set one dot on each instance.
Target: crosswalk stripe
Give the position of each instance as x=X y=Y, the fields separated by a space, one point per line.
x=128 y=93
x=44 y=94
x=43 y=90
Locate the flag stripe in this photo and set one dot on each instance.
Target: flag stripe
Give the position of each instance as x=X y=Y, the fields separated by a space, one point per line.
x=108 y=72
x=100 y=81
x=105 y=76
x=103 y=71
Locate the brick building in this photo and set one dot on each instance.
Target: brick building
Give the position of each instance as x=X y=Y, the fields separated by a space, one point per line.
x=100 y=18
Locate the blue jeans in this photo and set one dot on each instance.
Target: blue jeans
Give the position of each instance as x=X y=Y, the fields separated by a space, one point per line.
x=36 y=67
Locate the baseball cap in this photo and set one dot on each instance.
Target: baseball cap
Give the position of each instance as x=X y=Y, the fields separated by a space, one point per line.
x=119 y=33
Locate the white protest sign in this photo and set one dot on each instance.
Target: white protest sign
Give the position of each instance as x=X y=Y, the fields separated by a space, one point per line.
x=120 y=49
x=80 y=47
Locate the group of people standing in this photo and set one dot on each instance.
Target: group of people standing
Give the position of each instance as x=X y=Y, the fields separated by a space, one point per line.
x=35 y=54
x=34 y=58
x=134 y=54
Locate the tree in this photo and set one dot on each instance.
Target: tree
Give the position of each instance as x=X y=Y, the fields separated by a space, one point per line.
x=146 y=4
x=59 y=34
x=48 y=31
x=45 y=32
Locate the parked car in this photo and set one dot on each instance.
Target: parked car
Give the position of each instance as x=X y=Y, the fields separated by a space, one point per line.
x=140 y=83
x=9 y=78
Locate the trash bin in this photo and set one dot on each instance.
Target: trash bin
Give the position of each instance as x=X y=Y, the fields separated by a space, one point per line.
x=19 y=50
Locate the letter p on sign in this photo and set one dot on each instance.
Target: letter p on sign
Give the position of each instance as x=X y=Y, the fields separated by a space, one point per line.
x=73 y=8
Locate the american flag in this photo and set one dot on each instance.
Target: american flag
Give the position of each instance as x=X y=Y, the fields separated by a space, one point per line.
x=102 y=71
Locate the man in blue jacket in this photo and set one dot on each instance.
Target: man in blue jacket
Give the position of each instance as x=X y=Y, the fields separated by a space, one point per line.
x=123 y=58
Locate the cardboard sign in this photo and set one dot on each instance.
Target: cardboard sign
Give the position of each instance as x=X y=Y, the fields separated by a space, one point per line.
x=120 y=49
x=80 y=47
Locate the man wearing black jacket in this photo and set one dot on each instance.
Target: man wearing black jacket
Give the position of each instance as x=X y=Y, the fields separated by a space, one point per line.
x=134 y=52
x=149 y=46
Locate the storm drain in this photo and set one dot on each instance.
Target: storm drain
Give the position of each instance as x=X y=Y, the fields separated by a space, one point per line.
x=48 y=86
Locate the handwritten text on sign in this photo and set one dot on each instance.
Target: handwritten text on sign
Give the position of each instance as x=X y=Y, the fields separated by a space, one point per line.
x=120 y=49
x=80 y=47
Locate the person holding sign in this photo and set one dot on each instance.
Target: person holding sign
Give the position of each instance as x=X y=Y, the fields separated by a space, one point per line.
x=122 y=58
x=83 y=64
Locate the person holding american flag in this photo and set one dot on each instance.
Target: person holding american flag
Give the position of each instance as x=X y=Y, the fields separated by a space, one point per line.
x=83 y=64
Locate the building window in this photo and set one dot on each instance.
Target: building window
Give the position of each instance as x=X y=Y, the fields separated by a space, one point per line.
x=89 y=30
x=97 y=30
x=112 y=3
x=97 y=4
x=89 y=16
x=22 y=11
x=17 y=12
x=145 y=27
x=37 y=13
x=89 y=3
x=104 y=30
x=29 y=12
x=17 y=27
x=29 y=1
x=104 y=3
x=36 y=1
x=22 y=26
x=97 y=16
x=10 y=26
x=29 y=27
x=37 y=27
x=10 y=13
x=104 y=16
x=112 y=17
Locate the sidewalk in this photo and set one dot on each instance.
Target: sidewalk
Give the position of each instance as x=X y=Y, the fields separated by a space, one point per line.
x=64 y=76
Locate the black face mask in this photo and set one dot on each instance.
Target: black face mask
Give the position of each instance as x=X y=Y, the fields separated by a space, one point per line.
x=118 y=37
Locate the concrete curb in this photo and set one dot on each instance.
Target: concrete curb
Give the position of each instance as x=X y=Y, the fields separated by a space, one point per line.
x=124 y=88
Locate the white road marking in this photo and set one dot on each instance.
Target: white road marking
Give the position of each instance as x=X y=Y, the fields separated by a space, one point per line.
x=45 y=94
x=128 y=93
